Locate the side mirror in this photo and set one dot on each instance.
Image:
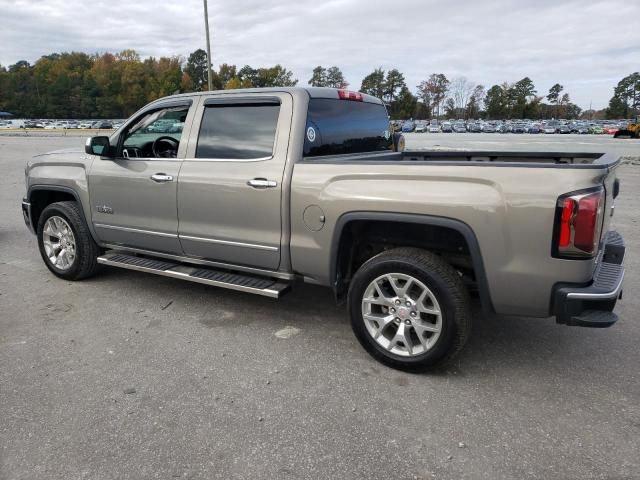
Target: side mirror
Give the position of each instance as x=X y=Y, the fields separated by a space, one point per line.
x=97 y=146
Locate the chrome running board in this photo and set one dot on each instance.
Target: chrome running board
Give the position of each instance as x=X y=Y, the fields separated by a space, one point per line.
x=268 y=287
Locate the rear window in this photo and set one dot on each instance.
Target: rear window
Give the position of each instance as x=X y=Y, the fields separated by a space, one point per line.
x=238 y=132
x=340 y=127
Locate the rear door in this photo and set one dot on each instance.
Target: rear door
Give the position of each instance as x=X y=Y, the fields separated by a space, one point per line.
x=230 y=184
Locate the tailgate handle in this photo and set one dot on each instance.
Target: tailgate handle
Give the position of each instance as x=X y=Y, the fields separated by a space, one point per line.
x=262 y=183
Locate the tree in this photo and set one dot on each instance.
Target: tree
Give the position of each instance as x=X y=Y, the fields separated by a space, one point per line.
x=393 y=84
x=318 y=77
x=197 y=68
x=335 y=78
x=435 y=90
x=405 y=104
x=554 y=96
x=474 y=105
x=496 y=103
x=331 y=77
x=461 y=90
x=374 y=83
x=625 y=102
x=450 y=109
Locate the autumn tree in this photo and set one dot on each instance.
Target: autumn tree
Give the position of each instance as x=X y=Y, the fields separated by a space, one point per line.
x=435 y=90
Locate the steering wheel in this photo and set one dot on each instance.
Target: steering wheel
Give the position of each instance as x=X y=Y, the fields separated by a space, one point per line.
x=170 y=152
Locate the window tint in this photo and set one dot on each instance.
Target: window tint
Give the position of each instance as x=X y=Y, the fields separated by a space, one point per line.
x=338 y=127
x=238 y=131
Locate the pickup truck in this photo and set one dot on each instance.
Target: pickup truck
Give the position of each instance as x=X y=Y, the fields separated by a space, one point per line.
x=255 y=190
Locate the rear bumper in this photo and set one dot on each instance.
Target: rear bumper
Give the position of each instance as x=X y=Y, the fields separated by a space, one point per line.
x=26 y=214
x=592 y=305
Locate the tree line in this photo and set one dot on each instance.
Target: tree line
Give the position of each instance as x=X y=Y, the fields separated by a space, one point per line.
x=78 y=85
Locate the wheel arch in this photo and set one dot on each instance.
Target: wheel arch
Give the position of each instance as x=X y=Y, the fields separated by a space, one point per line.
x=40 y=196
x=340 y=242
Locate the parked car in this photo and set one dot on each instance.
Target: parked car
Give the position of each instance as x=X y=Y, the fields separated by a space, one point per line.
x=517 y=128
x=474 y=127
x=434 y=127
x=408 y=126
x=596 y=129
x=488 y=128
x=610 y=130
x=459 y=127
x=549 y=129
x=564 y=129
x=402 y=242
x=447 y=127
x=421 y=126
x=534 y=128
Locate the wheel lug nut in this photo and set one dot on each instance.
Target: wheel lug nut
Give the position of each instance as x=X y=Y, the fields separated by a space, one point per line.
x=413 y=314
x=397 y=302
x=397 y=320
x=408 y=304
x=408 y=322
x=392 y=310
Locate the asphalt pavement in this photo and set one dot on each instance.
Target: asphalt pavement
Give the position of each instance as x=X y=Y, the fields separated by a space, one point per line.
x=134 y=376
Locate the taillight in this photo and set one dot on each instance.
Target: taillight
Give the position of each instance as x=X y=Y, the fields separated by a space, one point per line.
x=349 y=95
x=578 y=223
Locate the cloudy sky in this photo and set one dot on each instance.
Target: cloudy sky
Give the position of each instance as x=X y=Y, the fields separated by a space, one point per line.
x=586 y=45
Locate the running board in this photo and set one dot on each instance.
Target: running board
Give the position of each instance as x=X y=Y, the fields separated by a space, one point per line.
x=242 y=282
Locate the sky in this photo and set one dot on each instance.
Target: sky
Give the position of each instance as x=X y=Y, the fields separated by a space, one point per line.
x=585 y=45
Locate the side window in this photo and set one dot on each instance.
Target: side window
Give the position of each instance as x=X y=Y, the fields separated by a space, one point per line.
x=155 y=134
x=238 y=131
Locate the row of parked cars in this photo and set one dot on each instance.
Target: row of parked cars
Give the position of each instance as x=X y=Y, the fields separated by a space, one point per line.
x=510 y=126
x=62 y=124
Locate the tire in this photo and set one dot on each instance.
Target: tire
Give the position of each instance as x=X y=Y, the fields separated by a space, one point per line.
x=85 y=249
x=450 y=298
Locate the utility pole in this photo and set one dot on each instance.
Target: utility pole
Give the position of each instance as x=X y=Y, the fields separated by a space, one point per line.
x=206 y=26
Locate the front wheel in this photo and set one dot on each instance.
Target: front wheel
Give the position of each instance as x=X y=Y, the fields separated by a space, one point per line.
x=409 y=309
x=65 y=243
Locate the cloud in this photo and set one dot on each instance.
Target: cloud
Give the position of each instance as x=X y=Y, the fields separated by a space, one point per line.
x=586 y=45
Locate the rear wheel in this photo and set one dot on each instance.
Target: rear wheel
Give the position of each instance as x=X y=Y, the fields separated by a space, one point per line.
x=65 y=243
x=409 y=309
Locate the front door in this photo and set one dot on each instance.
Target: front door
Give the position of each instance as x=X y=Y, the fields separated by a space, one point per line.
x=230 y=185
x=133 y=196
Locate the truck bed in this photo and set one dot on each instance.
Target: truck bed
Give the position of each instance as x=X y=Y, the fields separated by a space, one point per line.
x=594 y=160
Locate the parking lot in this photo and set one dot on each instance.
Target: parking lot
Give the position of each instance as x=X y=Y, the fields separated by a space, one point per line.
x=131 y=376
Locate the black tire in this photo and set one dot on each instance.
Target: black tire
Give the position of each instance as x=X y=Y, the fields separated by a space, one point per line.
x=443 y=281
x=87 y=251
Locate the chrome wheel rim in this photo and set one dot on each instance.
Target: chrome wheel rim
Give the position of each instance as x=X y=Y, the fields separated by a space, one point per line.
x=59 y=243
x=402 y=314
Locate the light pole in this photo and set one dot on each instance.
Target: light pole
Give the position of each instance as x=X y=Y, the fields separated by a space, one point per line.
x=206 y=26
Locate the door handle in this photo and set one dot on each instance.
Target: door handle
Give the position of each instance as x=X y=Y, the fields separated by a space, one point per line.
x=262 y=183
x=161 y=177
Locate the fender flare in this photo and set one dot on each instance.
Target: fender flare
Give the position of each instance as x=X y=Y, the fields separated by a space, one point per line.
x=61 y=188
x=465 y=230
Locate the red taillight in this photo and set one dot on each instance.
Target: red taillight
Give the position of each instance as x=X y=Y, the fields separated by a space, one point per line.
x=565 y=222
x=586 y=222
x=578 y=228
x=349 y=95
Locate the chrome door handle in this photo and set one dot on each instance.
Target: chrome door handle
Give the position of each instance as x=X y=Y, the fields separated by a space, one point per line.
x=262 y=183
x=161 y=178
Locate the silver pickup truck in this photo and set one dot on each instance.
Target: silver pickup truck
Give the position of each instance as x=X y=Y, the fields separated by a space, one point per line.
x=254 y=190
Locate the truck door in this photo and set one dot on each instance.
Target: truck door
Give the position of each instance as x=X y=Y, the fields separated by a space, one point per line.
x=133 y=196
x=230 y=184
